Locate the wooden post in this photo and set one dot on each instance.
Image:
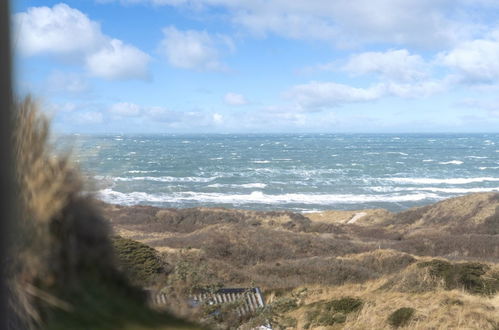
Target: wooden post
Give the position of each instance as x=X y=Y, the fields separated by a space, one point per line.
x=7 y=184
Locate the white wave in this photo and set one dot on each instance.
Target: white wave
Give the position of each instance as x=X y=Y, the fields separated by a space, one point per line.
x=428 y=160
x=442 y=181
x=459 y=190
x=386 y=189
x=244 y=185
x=261 y=161
x=251 y=185
x=140 y=171
x=217 y=158
x=397 y=153
x=451 y=162
x=162 y=178
x=258 y=197
x=476 y=157
x=488 y=168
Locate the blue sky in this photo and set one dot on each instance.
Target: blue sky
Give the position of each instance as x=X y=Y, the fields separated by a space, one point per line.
x=221 y=66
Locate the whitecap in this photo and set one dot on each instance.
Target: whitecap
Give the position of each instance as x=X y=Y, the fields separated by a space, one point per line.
x=141 y=171
x=441 y=181
x=243 y=185
x=163 y=179
x=452 y=162
x=257 y=197
x=385 y=189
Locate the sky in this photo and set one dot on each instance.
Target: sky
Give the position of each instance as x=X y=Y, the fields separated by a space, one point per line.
x=260 y=66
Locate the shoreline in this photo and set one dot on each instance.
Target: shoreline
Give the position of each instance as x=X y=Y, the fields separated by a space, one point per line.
x=468 y=211
x=351 y=213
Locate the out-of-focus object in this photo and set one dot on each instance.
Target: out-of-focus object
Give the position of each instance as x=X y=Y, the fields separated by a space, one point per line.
x=7 y=194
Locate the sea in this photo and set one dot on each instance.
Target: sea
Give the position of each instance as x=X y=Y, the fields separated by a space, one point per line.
x=297 y=172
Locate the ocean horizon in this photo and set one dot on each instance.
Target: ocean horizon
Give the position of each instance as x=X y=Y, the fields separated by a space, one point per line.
x=301 y=172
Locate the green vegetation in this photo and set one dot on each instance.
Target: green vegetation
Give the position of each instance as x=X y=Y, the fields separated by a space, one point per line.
x=401 y=317
x=102 y=305
x=344 y=305
x=140 y=262
x=284 y=304
x=326 y=313
x=472 y=276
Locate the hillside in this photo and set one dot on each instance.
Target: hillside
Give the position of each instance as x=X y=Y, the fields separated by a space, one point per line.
x=446 y=252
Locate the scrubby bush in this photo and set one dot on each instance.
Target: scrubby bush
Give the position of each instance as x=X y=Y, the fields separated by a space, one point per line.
x=140 y=262
x=344 y=305
x=401 y=317
x=327 y=313
x=469 y=275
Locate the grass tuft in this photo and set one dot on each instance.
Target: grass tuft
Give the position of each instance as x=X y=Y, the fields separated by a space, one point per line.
x=401 y=317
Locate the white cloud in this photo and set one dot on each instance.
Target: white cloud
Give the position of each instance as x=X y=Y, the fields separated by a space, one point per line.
x=117 y=61
x=397 y=65
x=415 y=89
x=57 y=30
x=67 y=32
x=193 y=49
x=235 y=99
x=477 y=60
x=319 y=95
x=422 y=23
x=125 y=109
x=218 y=118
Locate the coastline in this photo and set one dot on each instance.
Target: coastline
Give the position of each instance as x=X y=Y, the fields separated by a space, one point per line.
x=465 y=215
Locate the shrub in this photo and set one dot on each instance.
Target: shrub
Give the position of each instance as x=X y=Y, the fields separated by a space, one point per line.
x=401 y=317
x=332 y=312
x=140 y=262
x=284 y=304
x=344 y=305
x=469 y=275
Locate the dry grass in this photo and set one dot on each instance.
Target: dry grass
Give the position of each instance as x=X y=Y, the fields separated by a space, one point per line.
x=439 y=309
x=62 y=270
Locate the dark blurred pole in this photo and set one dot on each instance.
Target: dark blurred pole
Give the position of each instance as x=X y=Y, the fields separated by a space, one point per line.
x=7 y=188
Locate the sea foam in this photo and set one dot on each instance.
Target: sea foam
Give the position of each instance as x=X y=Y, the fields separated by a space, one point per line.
x=257 y=197
x=442 y=181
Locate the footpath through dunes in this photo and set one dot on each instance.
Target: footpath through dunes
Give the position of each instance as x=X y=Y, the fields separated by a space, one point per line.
x=438 y=264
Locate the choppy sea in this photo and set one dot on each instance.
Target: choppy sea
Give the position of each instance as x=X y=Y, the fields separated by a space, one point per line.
x=299 y=172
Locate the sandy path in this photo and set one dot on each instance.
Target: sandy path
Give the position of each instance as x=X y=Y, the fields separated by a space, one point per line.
x=356 y=217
